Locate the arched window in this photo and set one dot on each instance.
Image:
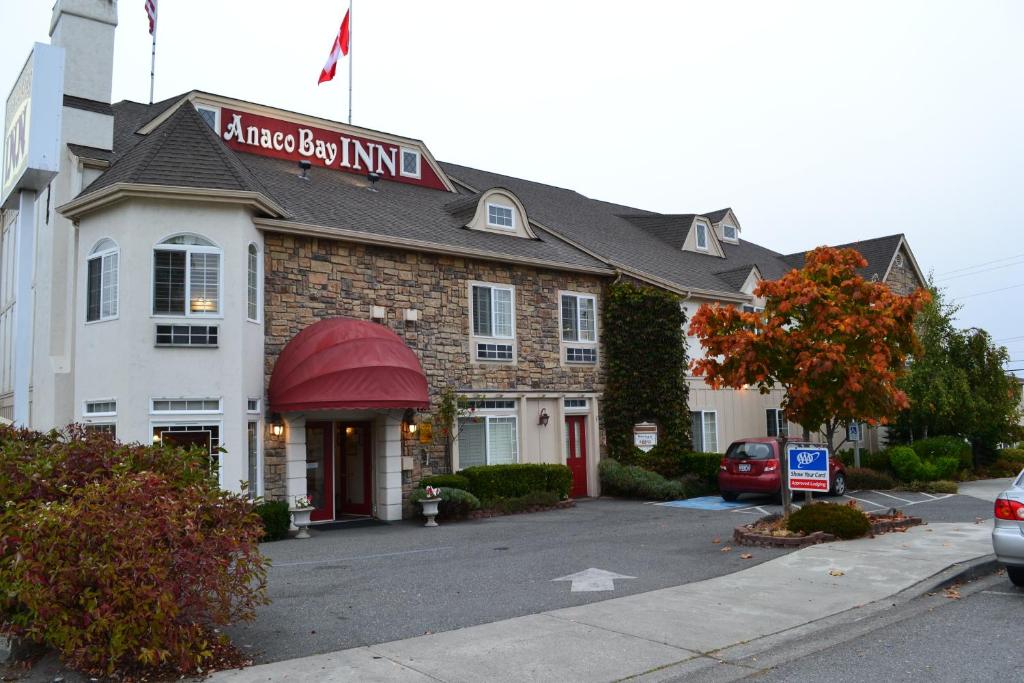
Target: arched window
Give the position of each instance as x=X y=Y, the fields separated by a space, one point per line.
x=101 y=281
x=253 y=284
x=187 y=277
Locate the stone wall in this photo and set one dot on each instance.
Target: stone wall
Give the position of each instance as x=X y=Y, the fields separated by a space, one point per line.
x=308 y=279
x=902 y=278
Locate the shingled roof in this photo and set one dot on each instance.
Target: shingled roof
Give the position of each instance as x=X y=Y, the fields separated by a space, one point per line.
x=575 y=231
x=878 y=252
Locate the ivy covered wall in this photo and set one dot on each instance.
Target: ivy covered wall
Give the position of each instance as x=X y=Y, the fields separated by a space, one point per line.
x=646 y=363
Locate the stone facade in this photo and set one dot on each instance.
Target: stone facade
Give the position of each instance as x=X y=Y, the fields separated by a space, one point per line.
x=308 y=279
x=902 y=278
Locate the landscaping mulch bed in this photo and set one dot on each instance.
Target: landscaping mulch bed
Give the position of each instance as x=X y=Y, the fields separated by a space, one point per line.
x=561 y=505
x=767 y=533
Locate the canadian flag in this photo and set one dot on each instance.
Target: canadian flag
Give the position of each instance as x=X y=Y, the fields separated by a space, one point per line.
x=338 y=49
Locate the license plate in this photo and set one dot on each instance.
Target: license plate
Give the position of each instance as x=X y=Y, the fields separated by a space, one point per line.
x=743 y=467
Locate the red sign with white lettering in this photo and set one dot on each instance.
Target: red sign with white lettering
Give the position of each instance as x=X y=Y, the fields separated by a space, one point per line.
x=257 y=134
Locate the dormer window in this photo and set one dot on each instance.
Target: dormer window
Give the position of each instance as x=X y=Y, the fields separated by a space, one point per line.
x=729 y=232
x=410 y=163
x=500 y=216
x=702 y=236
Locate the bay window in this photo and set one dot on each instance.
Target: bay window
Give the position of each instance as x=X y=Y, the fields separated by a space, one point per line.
x=187 y=277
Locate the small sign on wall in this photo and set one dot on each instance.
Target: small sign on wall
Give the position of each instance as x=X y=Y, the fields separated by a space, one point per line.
x=645 y=435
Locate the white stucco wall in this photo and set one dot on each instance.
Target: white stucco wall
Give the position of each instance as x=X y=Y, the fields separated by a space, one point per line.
x=118 y=359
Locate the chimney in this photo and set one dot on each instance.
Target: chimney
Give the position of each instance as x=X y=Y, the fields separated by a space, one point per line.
x=85 y=29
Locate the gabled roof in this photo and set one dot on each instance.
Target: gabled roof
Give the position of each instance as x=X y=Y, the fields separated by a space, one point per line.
x=736 y=277
x=878 y=252
x=717 y=216
x=670 y=228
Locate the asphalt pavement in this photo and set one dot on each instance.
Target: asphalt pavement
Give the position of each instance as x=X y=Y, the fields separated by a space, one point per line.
x=967 y=635
x=360 y=586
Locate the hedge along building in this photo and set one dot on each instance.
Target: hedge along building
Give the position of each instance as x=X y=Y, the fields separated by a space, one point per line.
x=192 y=281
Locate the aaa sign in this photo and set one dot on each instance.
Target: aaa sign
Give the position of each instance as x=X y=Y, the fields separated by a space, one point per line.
x=808 y=468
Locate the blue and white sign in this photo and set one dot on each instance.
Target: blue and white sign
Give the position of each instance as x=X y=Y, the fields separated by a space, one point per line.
x=808 y=468
x=853 y=431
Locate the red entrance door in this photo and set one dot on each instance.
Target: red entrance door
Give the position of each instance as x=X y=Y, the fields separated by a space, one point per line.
x=320 y=469
x=576 y=452
x=354 y=494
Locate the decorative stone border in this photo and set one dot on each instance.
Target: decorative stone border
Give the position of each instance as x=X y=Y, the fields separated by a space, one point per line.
x=560 y=505
x=744 y=535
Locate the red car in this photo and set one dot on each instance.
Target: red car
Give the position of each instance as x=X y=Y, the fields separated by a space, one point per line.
x=755 y=466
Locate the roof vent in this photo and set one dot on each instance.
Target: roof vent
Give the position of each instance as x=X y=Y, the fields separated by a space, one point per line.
x=304 y=164
x=373 y=177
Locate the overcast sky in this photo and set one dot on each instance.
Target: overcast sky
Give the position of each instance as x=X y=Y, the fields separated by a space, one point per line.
x=818 y=122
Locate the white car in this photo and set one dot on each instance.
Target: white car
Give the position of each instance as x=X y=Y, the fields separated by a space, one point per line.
x=1008 y=532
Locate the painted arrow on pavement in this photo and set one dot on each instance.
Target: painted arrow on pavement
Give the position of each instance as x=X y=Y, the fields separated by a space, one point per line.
x=593 y=580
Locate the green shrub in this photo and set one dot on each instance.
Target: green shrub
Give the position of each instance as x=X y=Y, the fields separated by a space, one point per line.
x=905 y=462
x=1001 y=469
x=941 y=486
x=452 y=481
x=947 y=467
x=1013 y=456
x=488 y=482
x=276 y=519
x=675 y=463
x=878 y=461
x=926 y=471
x=860 y=478
x=455 y=503
x=120 y=556
x=520 y=503
x=841 y=521
x=631 y=481
x=944 y=446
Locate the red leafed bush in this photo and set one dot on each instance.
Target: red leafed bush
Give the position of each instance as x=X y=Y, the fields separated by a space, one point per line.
x=122 y=557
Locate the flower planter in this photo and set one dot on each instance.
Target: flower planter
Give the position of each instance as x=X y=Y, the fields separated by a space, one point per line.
x=430 y=510
x=300 y=518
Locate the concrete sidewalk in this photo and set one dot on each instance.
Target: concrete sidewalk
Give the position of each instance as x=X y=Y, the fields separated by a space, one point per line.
x=663 y=633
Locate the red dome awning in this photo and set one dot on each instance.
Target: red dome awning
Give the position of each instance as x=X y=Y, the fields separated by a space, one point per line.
x=341 y=363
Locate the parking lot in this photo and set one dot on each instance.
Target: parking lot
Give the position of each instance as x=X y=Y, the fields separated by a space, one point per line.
x=350 y=587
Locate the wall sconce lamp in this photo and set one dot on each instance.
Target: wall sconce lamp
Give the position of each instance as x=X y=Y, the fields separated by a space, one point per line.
x=276 y=425
x=409 y=421
x=543 y=418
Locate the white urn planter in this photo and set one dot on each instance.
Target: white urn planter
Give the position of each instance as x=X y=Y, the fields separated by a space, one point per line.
x=300 y=518
x=430 y=510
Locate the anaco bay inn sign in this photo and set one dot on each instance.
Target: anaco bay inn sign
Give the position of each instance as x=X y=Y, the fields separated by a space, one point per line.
x=344 y=151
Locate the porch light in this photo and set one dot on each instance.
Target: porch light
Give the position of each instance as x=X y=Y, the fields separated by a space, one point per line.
x=276 y=425
x=543 y=418
x=412 y=427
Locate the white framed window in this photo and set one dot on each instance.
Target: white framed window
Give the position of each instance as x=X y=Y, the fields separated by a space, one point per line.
x=187 y=277
x=729 y=233
x=488 y=439
x=252 y=452
x=501 y=216
x=702 y=236
x=776 y=422
x=198 y=406
x=211 y=116
x=574 y=404
x=108 y=428
x=704 y=430
x=747 y=308
x=493 y=311
x=189 y=434
x=579 y=318
x=102 y=281
x=411 y=160
x=252 y=406
x=253 y=283
x=105 y=407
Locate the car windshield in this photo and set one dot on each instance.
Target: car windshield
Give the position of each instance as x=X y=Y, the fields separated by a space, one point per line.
x=749 y=451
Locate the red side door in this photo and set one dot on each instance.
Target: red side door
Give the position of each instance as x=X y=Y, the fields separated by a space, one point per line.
x=320 y=469
x=576 y=452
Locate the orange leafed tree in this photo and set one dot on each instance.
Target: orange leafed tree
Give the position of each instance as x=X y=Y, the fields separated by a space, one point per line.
x=835 y=342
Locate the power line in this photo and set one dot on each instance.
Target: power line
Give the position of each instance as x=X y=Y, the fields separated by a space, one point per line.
x=979 y=272
x=1006 y=339
x=991 y=291
x=978 y=265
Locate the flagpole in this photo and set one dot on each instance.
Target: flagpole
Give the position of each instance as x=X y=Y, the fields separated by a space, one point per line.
x=351 y=53
x=152 y=65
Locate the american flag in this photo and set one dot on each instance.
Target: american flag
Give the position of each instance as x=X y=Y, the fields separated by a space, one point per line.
x=151 y=11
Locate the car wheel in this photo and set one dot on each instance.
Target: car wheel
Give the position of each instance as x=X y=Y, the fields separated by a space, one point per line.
x=838 y=485
x=1016 y=575
x=730 y=496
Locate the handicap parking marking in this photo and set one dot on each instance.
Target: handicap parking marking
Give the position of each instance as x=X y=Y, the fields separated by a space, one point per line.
x=703 y=503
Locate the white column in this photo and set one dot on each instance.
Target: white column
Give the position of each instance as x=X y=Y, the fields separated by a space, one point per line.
x=23 y=305
x=295 y=456
x=387 y=457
